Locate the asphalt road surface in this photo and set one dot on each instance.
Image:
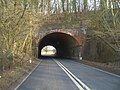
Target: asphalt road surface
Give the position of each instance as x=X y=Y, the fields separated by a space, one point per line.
x=69 y=75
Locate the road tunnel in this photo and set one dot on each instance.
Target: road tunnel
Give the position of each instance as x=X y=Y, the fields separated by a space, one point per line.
x=64 y=44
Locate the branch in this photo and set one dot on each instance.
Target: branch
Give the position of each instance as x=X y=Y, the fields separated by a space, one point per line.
x=107 y=43
x=25 y=6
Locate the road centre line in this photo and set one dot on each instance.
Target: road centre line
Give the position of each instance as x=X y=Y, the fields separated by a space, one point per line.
x=78 y=82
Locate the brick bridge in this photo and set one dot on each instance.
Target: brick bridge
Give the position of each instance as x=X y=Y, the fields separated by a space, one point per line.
x=69 y=43
x=72 y=40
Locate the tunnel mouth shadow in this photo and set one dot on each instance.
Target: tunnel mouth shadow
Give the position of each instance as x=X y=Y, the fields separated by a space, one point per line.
x=66 y=45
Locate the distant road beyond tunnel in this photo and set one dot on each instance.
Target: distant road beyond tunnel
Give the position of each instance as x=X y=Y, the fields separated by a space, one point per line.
x=65 y=44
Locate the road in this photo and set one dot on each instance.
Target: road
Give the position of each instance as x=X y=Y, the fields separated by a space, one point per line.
x=69 y=75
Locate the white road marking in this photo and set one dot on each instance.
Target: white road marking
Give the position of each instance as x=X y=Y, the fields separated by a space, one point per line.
x=100 y=70
x=77 y=81
x=27 y=77
x=104 y=71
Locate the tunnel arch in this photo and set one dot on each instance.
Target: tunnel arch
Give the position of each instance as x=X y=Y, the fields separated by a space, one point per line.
x=65 y=44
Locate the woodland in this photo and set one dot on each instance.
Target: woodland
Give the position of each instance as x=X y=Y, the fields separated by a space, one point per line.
x=20 y=22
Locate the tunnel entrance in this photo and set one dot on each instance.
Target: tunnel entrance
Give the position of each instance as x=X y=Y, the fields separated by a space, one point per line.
x=65 y=45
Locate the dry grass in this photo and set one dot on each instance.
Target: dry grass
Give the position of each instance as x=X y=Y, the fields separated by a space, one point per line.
x=10 y=77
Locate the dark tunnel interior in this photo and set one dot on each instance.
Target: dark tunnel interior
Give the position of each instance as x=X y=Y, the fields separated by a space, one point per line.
x=64 y=44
